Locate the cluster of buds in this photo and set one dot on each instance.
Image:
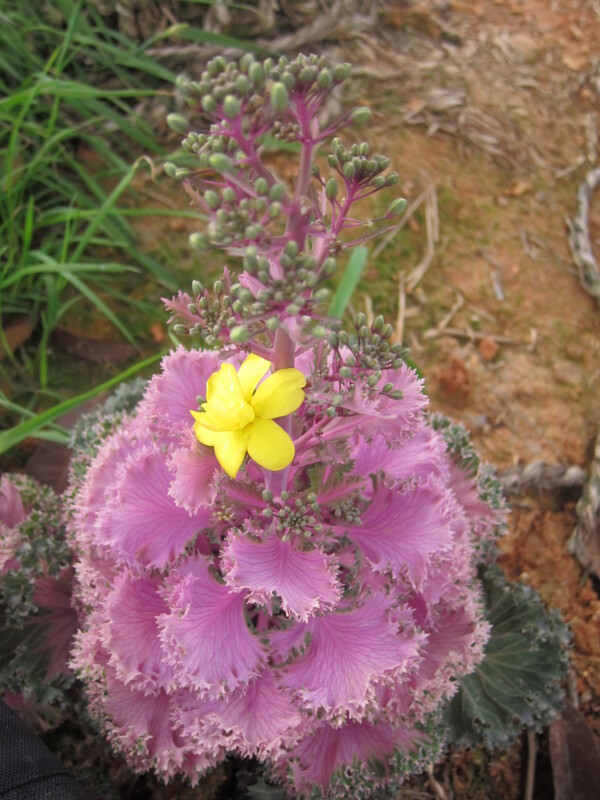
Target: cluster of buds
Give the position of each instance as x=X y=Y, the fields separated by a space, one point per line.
x=283 y=565
x=287 y=236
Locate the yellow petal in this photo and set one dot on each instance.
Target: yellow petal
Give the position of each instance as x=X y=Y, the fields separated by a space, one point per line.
x=205 y=435
x=230 y=449
x=249 y=374
x=223 y=386
x=280 y=394
x=269 y=445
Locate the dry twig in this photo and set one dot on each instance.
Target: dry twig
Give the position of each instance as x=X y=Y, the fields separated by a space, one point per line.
x=579 y=236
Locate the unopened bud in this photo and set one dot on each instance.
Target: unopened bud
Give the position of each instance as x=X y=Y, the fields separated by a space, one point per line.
x=182 y=172
x=231 y=106
x=396 y=394
x=209 y=103
x=324 y=79
x=178 y=123
x=256 y=74
x=212 y=199
x=348 y=170
x=331 y=188
x=361 y=115
x=345 y=372
x=239 y=334
x=279 y=96
x=220 y=162
x=198 y=241
x=329 y=266
x=170 y=169
x=396 y=207
x=197 y=287
x=261 y=186
x=277 y=191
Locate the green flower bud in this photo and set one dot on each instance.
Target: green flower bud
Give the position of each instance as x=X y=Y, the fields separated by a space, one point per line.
x=333 y=161
x=322 y=295
x=279 y=97
x=329 y=266
x=363 y=332
x=246 y=61
x=199 y=241
x=267 y=495
x=229 y=195
x=341 y=72
x=387 y=388
x=331 y=188
x=170 y=169
x=378 y=324
x=231 y=106
x=212 y=199
x=179 y=330
x=345 y=372
x=218 y=287
x=324 y=79
x=361 y=115
x=277 y=191
x=241 y=84
x=182 y=172
x=220 y=162
x=178 y=123
x=319 y=331
x=272 y=324
x=378 y=182
x=288 y=80
x=360 y=320
x=348 y=170
x=197 y=287
x=391 y=179
x=396 y=394
x=261 y=186
x=239 y=334
x=292 y=309
x=330 y=412
x=333 y=341
x=386 y=331
x=209 y=103
x=350 y=360
x=291 y=249
x=396 y=207
x=274 y=210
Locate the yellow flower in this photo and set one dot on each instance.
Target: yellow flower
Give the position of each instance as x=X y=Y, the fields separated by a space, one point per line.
x=237 y=417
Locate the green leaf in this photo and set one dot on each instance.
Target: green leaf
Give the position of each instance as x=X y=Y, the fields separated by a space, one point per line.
x=35 y=425
x=348 y=283
x=518 y=684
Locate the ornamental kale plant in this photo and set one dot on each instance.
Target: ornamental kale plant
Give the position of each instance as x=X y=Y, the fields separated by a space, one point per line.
x=37 y=621
x=277 y=553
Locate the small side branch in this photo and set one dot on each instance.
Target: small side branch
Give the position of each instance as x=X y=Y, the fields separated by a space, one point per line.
x=579 y=236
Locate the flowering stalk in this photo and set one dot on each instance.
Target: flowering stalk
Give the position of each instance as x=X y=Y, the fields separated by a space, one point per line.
x=288 y=572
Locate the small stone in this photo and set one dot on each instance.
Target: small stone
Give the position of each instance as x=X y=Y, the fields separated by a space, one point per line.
x=488 y=349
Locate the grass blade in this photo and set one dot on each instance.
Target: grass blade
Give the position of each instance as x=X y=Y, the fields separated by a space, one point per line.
x=348 y=283
x=35 y=425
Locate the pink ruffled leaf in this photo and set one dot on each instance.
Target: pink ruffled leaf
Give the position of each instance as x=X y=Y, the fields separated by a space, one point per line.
x=349 y=653
x=142 y=727
x=317 y=758
x=195 y=469
x=173 y=393
x=401 y=530
x=143 y=524
x=304 y=580
x=11 y=505
x=132 y=635
x=205 y=637
x=262 y=720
